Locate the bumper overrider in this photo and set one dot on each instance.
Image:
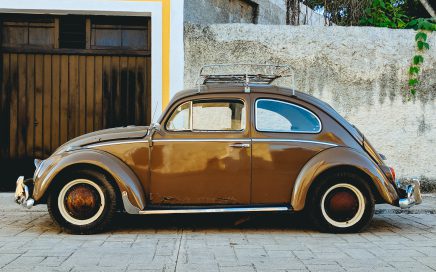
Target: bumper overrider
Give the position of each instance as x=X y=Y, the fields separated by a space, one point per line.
x=23 y=192
x=410 y=194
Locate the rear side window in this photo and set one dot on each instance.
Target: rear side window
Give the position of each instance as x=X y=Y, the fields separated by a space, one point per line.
x=208 y=115
x=279 y=116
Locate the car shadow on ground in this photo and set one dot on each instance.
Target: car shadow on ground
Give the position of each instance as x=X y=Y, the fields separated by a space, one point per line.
x=211 y=221
x=40 y=222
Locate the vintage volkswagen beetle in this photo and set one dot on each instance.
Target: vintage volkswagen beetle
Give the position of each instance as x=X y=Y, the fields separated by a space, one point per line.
x=235 y=144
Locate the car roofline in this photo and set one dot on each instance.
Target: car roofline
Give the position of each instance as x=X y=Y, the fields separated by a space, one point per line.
x=234 y=88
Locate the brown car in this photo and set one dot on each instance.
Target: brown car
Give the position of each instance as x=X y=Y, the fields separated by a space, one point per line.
x=234 y=144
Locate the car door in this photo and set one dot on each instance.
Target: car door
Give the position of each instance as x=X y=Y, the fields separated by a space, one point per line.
x=202 y=155
x=286 y=133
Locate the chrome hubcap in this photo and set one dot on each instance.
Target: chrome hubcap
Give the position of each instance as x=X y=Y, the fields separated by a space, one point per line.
x=81 y=202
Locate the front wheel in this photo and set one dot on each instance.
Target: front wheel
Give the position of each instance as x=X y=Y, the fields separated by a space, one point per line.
x=342 y=203
x=83 y=203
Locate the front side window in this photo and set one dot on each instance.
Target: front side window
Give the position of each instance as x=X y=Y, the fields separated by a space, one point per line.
x=210 y=115
x=279 y=116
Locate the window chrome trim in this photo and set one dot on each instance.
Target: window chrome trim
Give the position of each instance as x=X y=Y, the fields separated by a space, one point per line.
x=114 y=143
x=287 y=103
x=293 y=141
x=191 y=116
x=202 y=140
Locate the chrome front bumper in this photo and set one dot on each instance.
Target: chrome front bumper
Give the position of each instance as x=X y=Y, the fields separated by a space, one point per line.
x=23 y=194
x=412 y=193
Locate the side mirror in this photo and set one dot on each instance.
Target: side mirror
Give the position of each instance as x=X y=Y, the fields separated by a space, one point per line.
x=155 y=127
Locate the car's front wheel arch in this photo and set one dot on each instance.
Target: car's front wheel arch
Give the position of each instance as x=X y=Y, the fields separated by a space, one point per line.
x=59 y=180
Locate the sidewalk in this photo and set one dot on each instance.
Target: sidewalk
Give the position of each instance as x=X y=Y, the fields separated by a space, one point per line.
x=178 y=243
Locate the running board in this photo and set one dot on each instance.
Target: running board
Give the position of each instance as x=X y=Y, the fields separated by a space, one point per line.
x=131 y=209
x=216 y=210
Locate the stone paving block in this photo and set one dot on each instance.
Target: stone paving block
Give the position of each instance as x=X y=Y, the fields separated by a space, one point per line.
x=359 y=253
x=243 y=268
x=7 y=258
x=24 y=261
x=325 y=267
x=52 y=261
x=196 y=267
x=303 y=254
x=279 y=263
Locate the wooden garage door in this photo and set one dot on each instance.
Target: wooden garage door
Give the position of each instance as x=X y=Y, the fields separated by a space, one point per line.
x=48 y=99
x=58 y=82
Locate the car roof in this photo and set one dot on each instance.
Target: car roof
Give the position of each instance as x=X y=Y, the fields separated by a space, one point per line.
x=254 y=88
x=223 y=88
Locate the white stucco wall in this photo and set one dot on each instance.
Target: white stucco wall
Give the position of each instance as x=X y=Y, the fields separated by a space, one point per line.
x=360 y=71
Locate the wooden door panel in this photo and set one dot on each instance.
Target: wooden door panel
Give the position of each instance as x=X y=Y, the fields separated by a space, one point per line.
x=47 y=99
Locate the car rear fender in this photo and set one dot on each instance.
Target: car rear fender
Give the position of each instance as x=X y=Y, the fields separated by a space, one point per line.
x=337 y=157
x=123 y=176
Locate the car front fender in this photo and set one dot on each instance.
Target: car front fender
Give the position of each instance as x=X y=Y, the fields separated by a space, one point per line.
x=124 y=177
x=337 y=157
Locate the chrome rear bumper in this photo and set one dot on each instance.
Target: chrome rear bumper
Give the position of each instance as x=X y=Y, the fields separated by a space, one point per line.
x=412 y=194
x=23 y=194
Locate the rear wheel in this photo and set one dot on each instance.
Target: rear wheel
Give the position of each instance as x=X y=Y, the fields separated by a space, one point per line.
x=342 y=203
x=84 y=203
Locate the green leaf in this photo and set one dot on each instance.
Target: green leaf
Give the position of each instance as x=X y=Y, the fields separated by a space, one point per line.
x=413 y=82
x=418 y=59
x=413 y=91
x=413 y=70
x=412 y=23
x=421 y=36
x=426 y=46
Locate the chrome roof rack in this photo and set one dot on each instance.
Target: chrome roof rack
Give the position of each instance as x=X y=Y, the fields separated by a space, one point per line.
x=272 y=73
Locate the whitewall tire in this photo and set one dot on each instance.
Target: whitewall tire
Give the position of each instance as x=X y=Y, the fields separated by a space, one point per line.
x=341 y=202
x=83 y=202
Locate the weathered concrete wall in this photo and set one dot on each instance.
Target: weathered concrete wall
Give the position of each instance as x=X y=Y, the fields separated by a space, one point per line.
x=220 y=11
x=266 y=12
x=360 y=71
x=271 y=12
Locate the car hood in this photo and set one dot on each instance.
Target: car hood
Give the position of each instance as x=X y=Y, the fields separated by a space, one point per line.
x=106 y=135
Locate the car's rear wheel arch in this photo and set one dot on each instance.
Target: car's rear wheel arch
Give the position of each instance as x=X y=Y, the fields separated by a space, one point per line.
x=343 y=169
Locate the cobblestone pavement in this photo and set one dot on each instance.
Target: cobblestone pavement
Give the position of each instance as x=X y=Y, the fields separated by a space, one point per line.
x=265 y=242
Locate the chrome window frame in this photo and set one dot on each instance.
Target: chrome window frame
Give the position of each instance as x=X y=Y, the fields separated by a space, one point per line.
x=282 y=131
x=191 y=116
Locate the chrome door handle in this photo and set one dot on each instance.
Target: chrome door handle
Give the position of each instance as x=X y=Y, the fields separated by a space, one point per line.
x=240 y=145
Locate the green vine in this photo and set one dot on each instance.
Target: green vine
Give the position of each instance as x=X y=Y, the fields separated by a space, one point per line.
x=388 y=13
x=422 y=26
